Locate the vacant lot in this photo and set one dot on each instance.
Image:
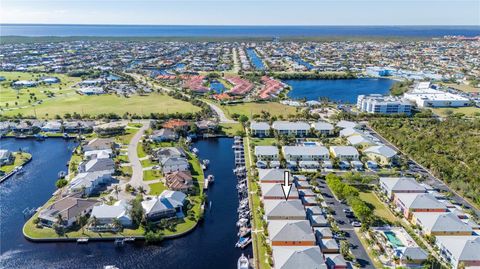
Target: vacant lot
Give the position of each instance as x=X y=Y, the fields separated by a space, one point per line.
x=468 y=111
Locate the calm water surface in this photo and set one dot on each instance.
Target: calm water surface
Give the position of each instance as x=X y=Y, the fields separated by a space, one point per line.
x=255 y=59
x=340 y=90
x=211 y=245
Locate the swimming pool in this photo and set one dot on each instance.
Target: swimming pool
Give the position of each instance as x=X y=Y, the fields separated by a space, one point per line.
x=309 y=144
x=393 y=239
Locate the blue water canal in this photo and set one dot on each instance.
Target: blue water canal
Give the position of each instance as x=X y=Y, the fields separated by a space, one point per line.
x=340 y=90
x=211 y=245
x=255 y=59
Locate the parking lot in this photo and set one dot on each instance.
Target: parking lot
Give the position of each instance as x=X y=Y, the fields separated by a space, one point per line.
x=344 y=224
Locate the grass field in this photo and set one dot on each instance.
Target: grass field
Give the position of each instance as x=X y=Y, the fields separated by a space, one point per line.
x=263 y=141
x=20 y=159
x=468 y=111
x=380 y=209
x=21 y=96
x=231 y=129
x=108 y=103
x=151 y=175
x=248 y=109
x=462 y=87
x=157 y=188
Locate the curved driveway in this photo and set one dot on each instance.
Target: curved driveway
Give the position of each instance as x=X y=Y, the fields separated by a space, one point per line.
x=137 y=169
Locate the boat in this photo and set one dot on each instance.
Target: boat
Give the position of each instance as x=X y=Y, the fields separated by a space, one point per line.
x=242 y=222
x=243 y=262
x=82 y=240
x=244 y=231
x=39 y=137
x=110 y=267
x=243 y=242
x=195 y=150
x=129 y=239
x=119 y=242
x=206 y=162
x=210 y=178
x=19 y=170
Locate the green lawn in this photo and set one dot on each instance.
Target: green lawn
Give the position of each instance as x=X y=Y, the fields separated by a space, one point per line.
x=462 y=87
x=380 y=209
x=157 y=188
x=21 y=96
x=263 y=141
x=108 y=103
x=20 y=159
x=148 y=163
x=151 y=175
x=248 y=109
x=231 y=129
x=140 y=152
x=468 y=111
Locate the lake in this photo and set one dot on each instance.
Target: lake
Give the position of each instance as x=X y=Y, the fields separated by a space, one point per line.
x=210 y=245
x=340 y=90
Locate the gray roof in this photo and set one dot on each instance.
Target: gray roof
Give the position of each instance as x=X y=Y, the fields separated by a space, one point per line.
x=266 y=150
x=329 y=243
x=346 y=124
x=259 y=125
x=394 y=184
x=381 y=150
x=323 y=232
x=441 y=222
x=272 y=174
x=290 y=230
x=318 y=220
x=306 y=150
x=420 y=201
x=414 y=253
x=360 y=139
x=313 y=210
x=174 y=161
x=290 y=125
x=275 y=190
x=119 y=209
x=350 y=132
x=95 y=165
x=282 y=208
x=463 y=248
x=321 y=125
x=335 y=259
x=296 y=257
x=344 y=150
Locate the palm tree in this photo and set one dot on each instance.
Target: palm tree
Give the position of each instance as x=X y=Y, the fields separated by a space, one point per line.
x=116 y=224
x=93 y=221
x=141 y=189
x=116 y=190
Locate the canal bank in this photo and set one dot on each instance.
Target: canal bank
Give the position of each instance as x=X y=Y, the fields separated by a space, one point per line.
x=210 y=245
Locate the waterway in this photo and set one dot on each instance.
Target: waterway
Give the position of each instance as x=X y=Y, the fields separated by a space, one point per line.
x=210 y=245
x=217 y=86
x=255 y=59
x=340 y=90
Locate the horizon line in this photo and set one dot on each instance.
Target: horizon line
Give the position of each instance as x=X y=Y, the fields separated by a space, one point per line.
x=252 y=25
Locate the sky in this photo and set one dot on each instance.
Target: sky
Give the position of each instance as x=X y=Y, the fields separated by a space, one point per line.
x=246 y=12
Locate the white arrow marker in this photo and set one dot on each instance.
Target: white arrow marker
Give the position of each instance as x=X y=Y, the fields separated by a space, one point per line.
x=286 y=187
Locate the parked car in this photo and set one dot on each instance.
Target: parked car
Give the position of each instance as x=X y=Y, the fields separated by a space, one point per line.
x=356 y=223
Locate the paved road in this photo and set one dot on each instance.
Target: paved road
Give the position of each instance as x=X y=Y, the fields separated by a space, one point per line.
x=343 y=222
x=137 y=169
x=416 y=168
x=221 y=115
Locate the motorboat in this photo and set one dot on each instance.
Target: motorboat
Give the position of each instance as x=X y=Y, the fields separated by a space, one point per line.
x=242 y=222
x=243 y=242
x=243 y=262
x=210 y=178
x=244 y=231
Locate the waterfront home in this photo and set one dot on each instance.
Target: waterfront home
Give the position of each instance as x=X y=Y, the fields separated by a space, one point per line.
x=163 y=135
x=168 y=204
x=323 y=128
x=305 y=153
x=52 y=126
x=6 y=157
x=441 y=224
x=298 y=128
x=169 y=152
x=78 y=126
x=206 y=125
x=176 y=125
x=65 y=211
x=383 y=154
x=90 y=182
x=284 y=210
x=259 y=129
x=290 y=233
x=343 y=124
x=344 y=152
x=173 y=164
x=179 y=181
x=394 y=185
x=296 y=257
x=408 y=203
x=106 y=215
x=266 y=153
x=460 y=250
x=329 y=245
x=95 y=165
x=360 y=140
x=99 y=144
x=98 y=154
x=274 y=191
x=111 y=128
x=272 y=175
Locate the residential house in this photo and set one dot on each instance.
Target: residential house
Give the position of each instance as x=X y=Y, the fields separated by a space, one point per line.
x=274 y=191
x=97 y=164
x=323 y=128
x=441 y=224
x=173 y=164
x=408 y=203
x=179 y=181
x=460 y=250
x=176 y=125
x=344 y=152
x=99 y=144
x=284 y=210
x=52 y=126
x=298 y=129
x=106 y=215
x=272 y=175
x=329 y=245
x=290 y=233
x=65 y=211
x=169 y=152
x=305 y=153
x=296 y=257
x=343 y=124
x=168 y=204
x=360 y=140
x=259 y=129
x=335 y=261
x=266 y=153
x=6 y=157
x=163 y=135
x=383 y=154
x=347 y=132
x=394 y=185
x=89 y=182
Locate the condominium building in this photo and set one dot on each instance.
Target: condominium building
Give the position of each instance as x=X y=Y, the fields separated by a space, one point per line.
x=379 y=104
